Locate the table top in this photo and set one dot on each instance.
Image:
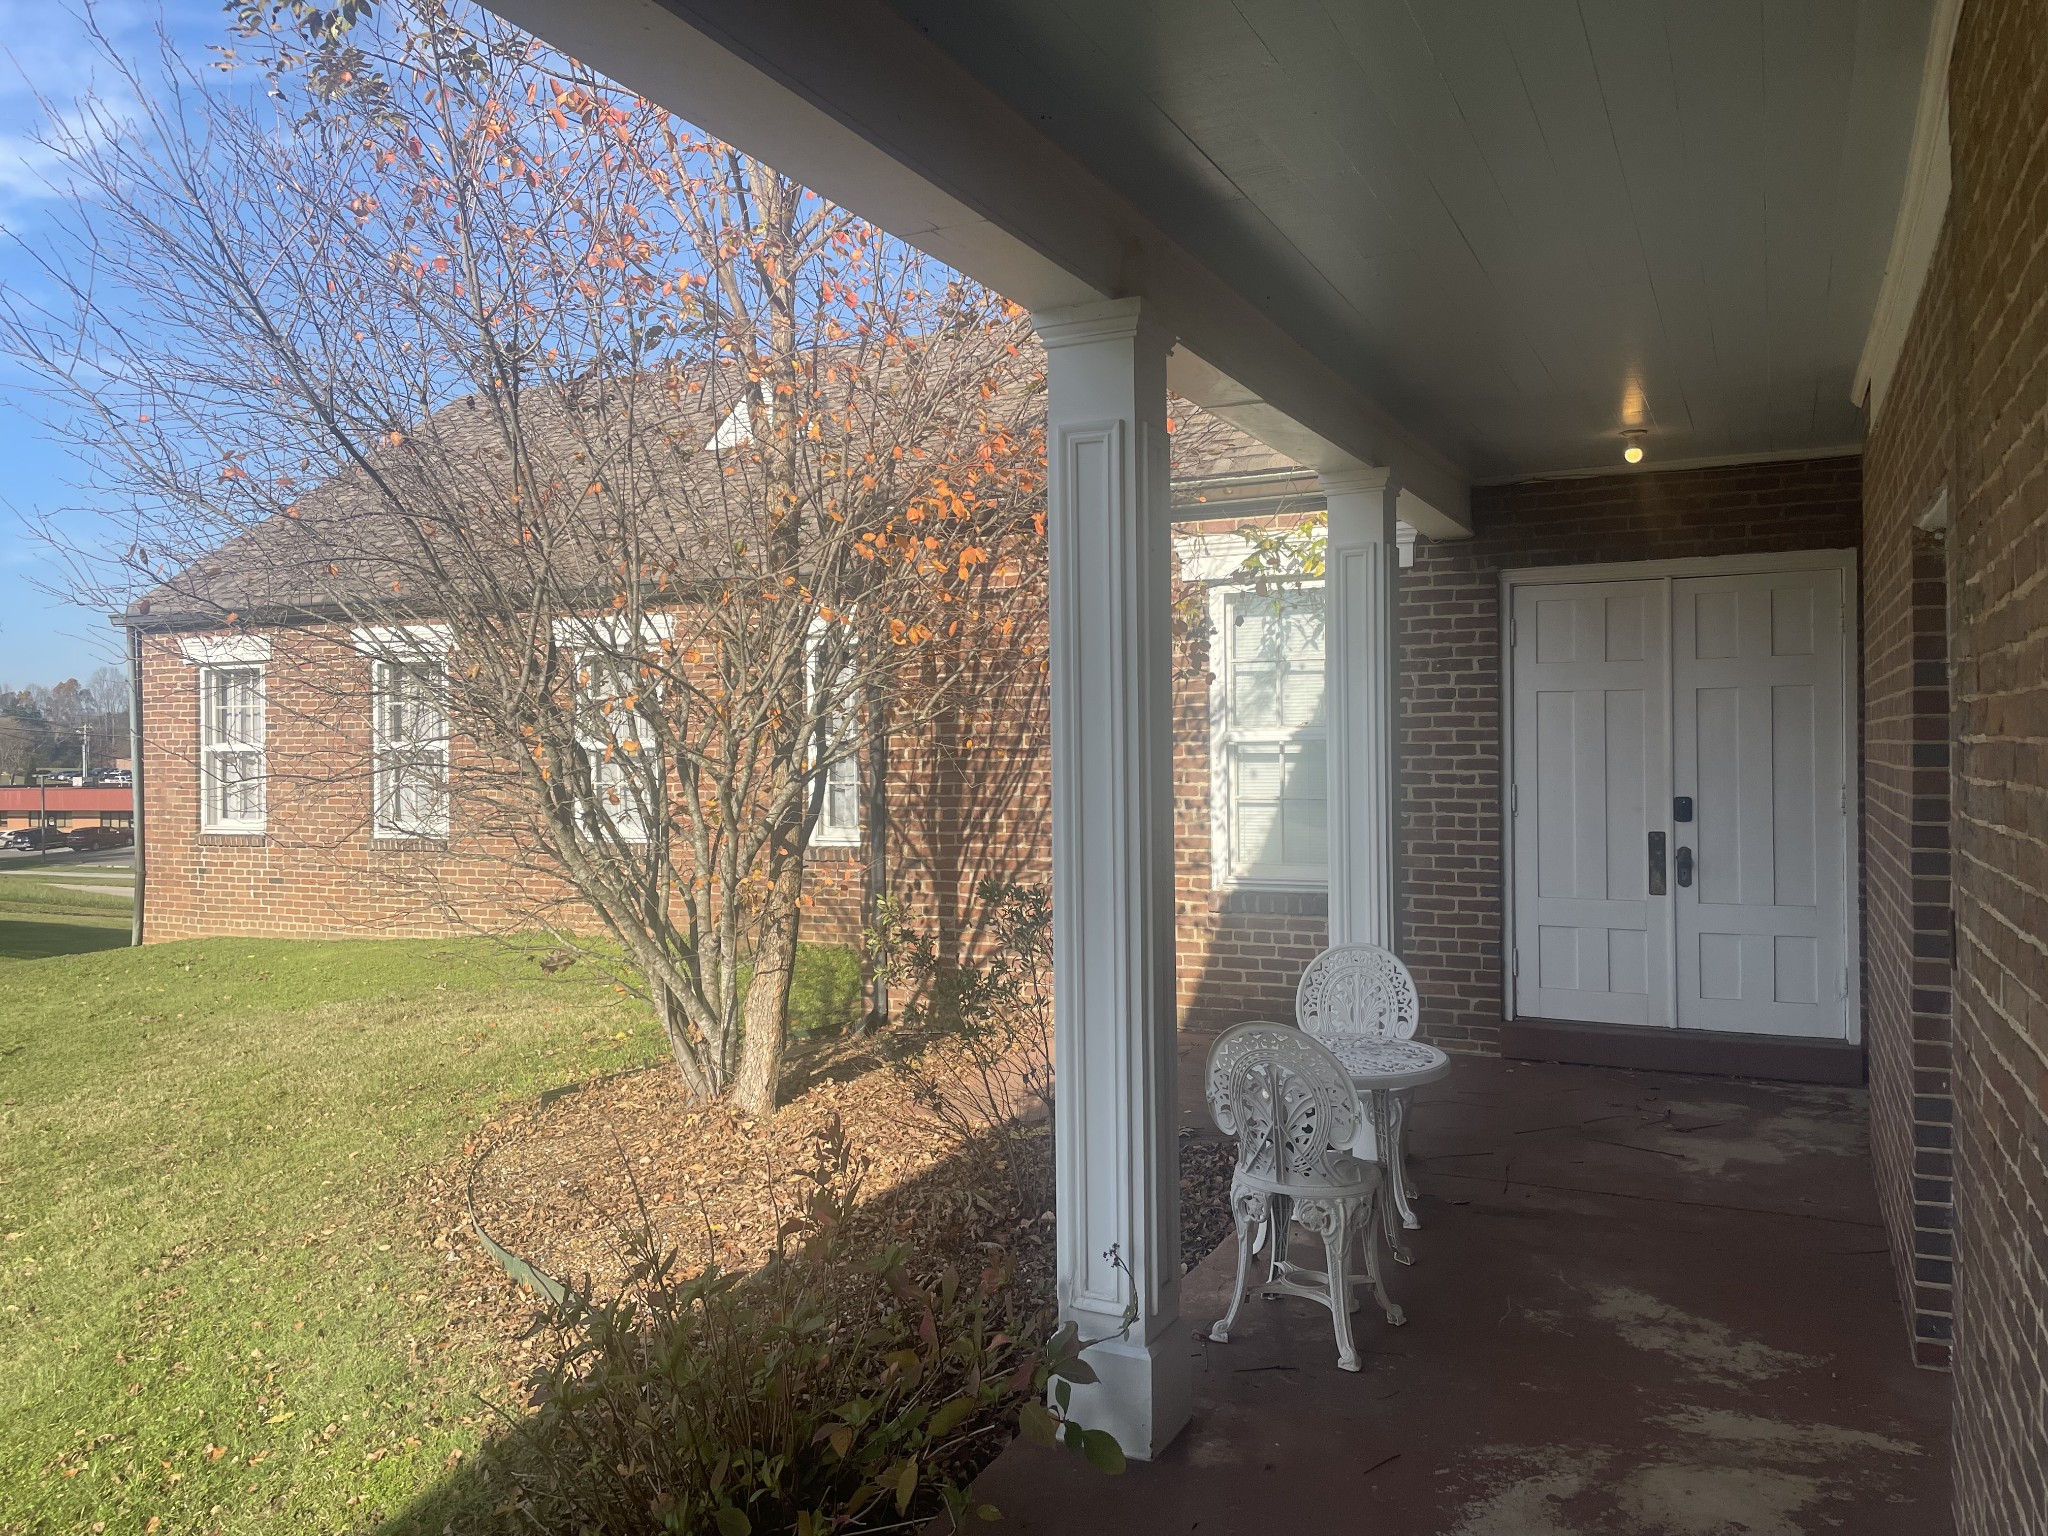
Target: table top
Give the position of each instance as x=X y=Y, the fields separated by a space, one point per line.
x=1388 y=1064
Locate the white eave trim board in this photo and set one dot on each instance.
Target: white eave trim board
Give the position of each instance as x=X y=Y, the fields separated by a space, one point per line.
x=1922 y=206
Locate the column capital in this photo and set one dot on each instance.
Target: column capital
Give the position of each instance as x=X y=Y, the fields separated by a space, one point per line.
x=1364 y=480
x=1104 y=320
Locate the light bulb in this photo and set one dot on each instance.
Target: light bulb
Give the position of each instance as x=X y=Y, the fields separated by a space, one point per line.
x=1633 y=453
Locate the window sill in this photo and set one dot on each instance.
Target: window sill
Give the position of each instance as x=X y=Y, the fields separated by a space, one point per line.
x=237 y=837
x=408 y=842
x=1273 y=899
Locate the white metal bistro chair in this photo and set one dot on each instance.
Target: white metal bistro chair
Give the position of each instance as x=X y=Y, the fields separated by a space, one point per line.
x=1359 y=1000
x=1305 y=1153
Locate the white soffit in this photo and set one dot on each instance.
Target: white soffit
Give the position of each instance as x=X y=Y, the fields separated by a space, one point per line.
x=1460 y=242
x=1922 y=206
x=854 y=101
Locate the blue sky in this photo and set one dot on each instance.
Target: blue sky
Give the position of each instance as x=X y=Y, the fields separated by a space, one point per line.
x=44 y=638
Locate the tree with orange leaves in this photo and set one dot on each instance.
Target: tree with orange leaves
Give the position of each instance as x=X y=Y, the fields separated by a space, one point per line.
x=652 y=483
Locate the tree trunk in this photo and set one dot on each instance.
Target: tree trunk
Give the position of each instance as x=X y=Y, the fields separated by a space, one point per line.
x=875 y=888
x=765 y=1014
x=675 y=1024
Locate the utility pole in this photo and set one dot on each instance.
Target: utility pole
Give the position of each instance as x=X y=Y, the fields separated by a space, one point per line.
x=84 y=754
x=43 y=839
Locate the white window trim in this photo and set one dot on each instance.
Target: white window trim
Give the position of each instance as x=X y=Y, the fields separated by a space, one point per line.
x=826 y=834
x=437 y=826
x=1223 y=876
x=208 y=750
x=610 y=632
x=404 y=642
x=226 y=650
x=602 y=637
x=594 y=745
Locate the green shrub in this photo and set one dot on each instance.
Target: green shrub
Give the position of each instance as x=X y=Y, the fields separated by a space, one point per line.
x=823 y=1394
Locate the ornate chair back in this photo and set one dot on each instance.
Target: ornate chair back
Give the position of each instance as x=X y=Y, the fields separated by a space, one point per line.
x=1291 y=1107
x=1360 y=990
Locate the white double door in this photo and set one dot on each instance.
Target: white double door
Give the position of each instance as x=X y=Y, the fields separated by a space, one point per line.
x=1679 y=802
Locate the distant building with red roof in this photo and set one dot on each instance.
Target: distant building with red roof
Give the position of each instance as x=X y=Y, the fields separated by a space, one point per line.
x=68 y=806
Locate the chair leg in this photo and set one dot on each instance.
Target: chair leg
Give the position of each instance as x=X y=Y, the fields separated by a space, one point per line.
x=1280 y=1217
x=1338 y=1237
x=1368 y=1238
x=1385 y=1203
x=1397 y=1158
x=1246 y=1210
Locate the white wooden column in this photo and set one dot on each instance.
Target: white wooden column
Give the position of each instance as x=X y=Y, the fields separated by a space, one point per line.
x=1361 y=661
x=1118 y=1184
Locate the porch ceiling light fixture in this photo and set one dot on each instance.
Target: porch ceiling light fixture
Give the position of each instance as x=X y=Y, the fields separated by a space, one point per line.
x=1633 y=453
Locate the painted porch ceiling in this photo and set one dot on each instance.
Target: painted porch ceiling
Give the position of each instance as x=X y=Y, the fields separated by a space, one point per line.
x=1518 y=224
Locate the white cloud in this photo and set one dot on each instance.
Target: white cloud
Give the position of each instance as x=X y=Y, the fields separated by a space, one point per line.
x=49 y=56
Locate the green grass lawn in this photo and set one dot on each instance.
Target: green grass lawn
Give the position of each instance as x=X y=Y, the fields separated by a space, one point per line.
x=42 y=913
x=39 y=937
x=41 y=889
x=214 y=1308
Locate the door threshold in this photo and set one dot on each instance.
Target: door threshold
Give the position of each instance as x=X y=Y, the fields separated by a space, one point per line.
x=1780 y=1058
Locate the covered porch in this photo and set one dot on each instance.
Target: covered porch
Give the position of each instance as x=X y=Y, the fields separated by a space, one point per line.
x=1640 y=1302
x=1471 y=265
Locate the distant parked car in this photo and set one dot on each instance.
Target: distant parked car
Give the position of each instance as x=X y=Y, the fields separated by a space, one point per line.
x=86 y=839
x=28 y=839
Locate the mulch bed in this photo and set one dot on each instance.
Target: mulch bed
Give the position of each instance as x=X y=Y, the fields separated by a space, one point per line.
x=558 y=1183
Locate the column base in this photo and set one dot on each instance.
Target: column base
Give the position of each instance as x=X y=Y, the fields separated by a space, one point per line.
x=1144 y=1394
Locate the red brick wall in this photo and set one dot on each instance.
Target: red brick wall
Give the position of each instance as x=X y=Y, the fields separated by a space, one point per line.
x=1907 y=990
x=317 y=871
x=1995 y=335
x=1450 y=706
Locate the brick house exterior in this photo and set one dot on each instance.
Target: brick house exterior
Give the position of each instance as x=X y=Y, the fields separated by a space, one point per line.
x=1948 y=508
x=970 y=798
x=1956 y=520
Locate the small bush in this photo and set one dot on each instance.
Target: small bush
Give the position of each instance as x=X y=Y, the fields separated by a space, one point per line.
x=825 y=1393
x=985 y=1061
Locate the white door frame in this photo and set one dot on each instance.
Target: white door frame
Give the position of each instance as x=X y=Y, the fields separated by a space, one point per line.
x=1841 y=560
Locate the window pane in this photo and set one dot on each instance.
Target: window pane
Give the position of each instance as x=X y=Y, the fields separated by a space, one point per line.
x=1304 y=811
x=1258 y=774
x=239 y=777
x=414 y=702
x=1255 y=695
x=1300 y=700
x=236 y=713
x=842 y=807
x=1306 y=769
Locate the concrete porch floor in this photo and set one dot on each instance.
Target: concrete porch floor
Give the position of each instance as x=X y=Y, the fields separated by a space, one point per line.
x=1641 y=1305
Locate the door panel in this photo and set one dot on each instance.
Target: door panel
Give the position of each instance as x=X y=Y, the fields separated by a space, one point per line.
x=1591 y=765
x=1757 y=707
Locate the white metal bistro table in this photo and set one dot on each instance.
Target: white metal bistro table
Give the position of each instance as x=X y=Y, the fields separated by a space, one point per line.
x=1384 y=1071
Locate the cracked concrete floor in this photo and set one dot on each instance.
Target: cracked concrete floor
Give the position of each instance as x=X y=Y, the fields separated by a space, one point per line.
x=1641 y=1305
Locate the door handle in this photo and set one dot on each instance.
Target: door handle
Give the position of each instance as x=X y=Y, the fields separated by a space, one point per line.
x=1656 y=863
x=1685 y=866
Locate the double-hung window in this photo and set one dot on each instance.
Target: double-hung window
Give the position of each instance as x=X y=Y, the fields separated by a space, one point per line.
x=1269 y=739
x=410 y=742
x=231 y=773
x=838 y=823
x=618 y=742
